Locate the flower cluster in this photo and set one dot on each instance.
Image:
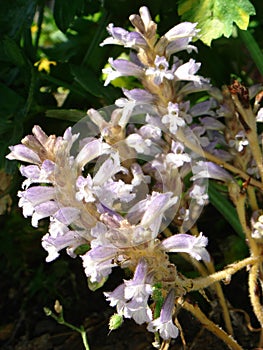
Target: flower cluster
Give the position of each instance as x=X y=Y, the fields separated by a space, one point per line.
x=112 y=193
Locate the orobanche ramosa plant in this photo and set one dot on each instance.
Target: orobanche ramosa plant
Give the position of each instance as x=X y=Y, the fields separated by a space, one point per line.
x=125 y=186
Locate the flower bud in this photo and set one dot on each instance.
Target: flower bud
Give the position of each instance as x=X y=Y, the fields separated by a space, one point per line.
x=115 y=321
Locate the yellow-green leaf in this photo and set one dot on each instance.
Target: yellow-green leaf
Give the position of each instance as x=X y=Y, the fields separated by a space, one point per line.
x=216 y=17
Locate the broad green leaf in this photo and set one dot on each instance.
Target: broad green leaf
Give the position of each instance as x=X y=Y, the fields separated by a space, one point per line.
x=216 y=17
x=10 y=102
x=72 y=115
x=222 y=204
x=16 y=16
x=65 y=11
x=14 y=52
x=88 y=80
x=253 y=48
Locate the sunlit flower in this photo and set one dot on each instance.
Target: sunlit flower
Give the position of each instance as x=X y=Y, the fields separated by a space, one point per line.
x=44 y=64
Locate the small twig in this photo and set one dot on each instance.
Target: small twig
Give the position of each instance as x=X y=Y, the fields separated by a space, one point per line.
x=60 y=319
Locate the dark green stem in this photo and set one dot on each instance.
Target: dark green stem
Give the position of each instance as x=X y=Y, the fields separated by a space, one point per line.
x=253 y=48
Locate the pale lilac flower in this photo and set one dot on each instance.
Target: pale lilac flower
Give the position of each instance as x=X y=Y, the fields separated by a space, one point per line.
x=177 y=157
x=24 y=154
x=117 y=298
x=199 y=194
x=204 y=108
x=137 y=288
x=211 y=170
x=179 y=37
x=184 y=243
x=151 y=132
x=139 y=95
x=141 y=145
x=102 y=187
x=144 y=23
x=43 y=210
x=160 y=71
x=99 y=261
x=112 y=191
x=187 y=72
x=131 y=298
x=258 y=228
x=149 y=212
x=38 y=173
x=200 y=135
x=240 y=141
x=164 y=324
x=35 y=202
x=259 y=117
x=120 y=36
x=119 y=68
x=145 y=140
x=54 y=243
x=67 y=215
x=91 y=150
x=212 y=123
x=172 y=119
x=36 y=195
x=257 y=225
x=138 y=175
x=252 y=169
x=84 y=189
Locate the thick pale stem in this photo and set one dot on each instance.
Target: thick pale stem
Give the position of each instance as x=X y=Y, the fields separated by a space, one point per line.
x=204 y=282
x=254 y=296
x=211 y=326
x=241 y=212
x=222 y=301
x=252 y=198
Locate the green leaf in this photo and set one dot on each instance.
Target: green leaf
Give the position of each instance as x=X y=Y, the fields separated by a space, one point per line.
x=253 y=48
x=88 y=80
x=65 y=11
x=14 y=52
x=10 y=102
x=72 y=115
x=216 y=17
x=222 y=204
x=16 y=16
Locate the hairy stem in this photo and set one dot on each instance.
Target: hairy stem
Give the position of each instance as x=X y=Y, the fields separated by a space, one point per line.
x=254 y=295
x=222 y=301
x=203 y=282
x=211 y=326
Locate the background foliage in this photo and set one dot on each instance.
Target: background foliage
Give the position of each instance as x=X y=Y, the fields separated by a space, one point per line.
x=50 y=74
